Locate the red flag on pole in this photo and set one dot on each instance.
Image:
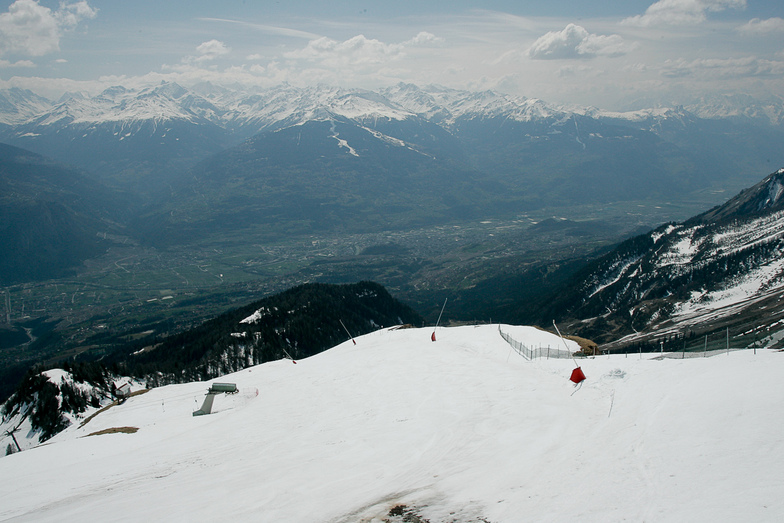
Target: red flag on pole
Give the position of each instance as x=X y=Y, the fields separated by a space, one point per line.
x=577 y=374
x=433 y=336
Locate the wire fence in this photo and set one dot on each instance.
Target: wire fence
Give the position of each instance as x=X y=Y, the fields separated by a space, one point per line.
x=705 y=346
x=700 y=353
x=531 y=353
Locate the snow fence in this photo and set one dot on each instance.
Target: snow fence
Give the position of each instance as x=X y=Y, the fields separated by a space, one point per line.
x=531 y=353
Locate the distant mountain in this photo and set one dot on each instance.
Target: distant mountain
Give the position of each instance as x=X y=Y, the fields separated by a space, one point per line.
x=20 y=105
x=146 y=138
x=723 y=269
x=52 y=218
x=286 y=161
x=359 y=161
x=740 y=108
x=333 y=174
x=128 y=138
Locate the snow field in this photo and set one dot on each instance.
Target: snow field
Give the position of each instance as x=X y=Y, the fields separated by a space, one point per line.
x=460 y=429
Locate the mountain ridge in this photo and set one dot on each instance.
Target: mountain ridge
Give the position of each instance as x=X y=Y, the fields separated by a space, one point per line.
x=714 y=271
x=145 y=138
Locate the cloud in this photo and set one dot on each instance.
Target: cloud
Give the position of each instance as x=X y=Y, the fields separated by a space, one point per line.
x=679 y=12
x=745 y=67
x=70 y=15
x=755 y=26
x=571 y=71
x=269 y=29
x=358 y=50
x=210 y=50
x=20 y=63
x=31 y=29
x=424 y=39
x=576 y=42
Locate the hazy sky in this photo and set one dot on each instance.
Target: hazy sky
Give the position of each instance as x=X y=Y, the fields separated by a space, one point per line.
x=609 y=54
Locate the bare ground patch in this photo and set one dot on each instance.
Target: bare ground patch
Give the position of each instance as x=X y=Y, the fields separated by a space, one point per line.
x=115 y=430
x=109 y=406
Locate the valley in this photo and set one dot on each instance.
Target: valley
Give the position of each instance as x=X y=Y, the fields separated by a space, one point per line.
x=134 y=292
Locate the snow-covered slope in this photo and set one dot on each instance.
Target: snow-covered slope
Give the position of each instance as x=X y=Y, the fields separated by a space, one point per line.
x=46 y=403
x=447 y=105
x=285 y=106
x=19 y=105
x=396 y=427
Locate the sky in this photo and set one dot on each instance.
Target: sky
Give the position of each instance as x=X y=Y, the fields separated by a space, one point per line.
x=614 y=54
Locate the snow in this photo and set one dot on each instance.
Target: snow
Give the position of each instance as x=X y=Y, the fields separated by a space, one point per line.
x=752 y=285
x=755 y=232
x=617 y=271
x=460 y=430
x=656 y=236
x=682 y=251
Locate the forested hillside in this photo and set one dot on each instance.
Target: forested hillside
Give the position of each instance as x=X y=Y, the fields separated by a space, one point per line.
x=301 y=321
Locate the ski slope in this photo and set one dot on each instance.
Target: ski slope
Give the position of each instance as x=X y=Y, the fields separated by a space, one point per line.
x=460 y=430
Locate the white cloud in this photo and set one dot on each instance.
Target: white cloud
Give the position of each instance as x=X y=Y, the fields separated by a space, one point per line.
x=744 y=67
x=29 y=28
x=570 y=71
x=20 y=63
x=211 y=50
x=755 y=26
x=678 y=12
x=70 y=15
x=268 y=29
x=356 y=50
x=576 y=42
x=424 y=39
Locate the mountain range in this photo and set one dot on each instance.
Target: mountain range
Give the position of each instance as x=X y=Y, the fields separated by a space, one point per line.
x=147 y=139
x=212 y=163
x=722 y=270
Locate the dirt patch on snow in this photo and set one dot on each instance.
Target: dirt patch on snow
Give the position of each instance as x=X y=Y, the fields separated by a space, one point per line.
x=110 y=405
x=115 y=430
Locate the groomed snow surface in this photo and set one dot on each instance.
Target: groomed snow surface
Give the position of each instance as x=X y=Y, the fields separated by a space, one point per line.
x=462 y=430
